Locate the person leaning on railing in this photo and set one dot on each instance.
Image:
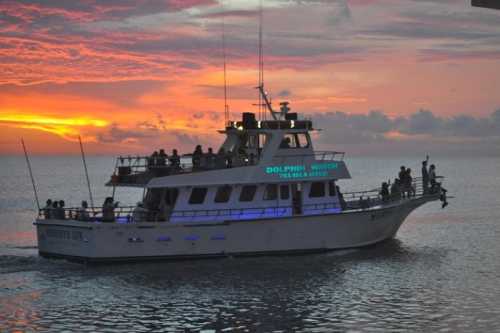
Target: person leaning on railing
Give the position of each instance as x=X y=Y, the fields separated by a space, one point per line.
x=82 y=214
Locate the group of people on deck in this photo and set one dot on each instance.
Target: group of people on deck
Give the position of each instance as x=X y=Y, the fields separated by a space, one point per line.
x=404 y=187
x=54 y=209
x=200 y=160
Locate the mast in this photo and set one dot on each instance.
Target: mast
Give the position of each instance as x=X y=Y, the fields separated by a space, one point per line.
x=226 y=106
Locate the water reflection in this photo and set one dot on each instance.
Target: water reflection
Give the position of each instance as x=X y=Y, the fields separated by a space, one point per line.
x=372 y=288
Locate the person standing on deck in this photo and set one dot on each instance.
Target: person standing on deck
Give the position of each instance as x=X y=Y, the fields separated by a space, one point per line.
x=47 y=209
x=108 y=210
x=425 y=176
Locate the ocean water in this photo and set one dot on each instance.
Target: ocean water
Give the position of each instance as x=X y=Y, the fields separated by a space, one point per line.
x=440 y=274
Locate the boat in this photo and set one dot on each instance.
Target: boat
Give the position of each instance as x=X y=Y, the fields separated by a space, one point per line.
x=266 y=191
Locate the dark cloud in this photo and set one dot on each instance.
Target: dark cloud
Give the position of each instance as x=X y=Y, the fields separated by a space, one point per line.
x=115 y=134
x=343 y=128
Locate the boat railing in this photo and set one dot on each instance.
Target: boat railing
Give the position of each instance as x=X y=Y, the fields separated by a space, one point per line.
x=352 y=201
x=318 y=156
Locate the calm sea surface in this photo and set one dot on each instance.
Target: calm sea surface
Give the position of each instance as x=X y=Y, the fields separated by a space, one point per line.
x=440 y=274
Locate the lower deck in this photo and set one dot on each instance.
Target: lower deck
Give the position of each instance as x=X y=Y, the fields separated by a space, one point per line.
x=97 y=241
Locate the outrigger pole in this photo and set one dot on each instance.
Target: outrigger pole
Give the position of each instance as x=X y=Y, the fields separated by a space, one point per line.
x=31 y=174
x=86 y=172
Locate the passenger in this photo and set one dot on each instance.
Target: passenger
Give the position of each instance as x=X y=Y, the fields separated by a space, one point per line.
x=221 y=159
x=175 y=160
x=140 y=213
x=436 y=187
x=53 y=212
x=61 y=213
x=384 y=192
x=402 y=180
x=251 y=160
x=108 y=210
x=229 y=159
x=162 y=211
x=210 y=159
x=425 y=176
x=196 y=159
x=82 y=214
x=409 y=183
x=162 y=158
x=343 y=203
x=364 y=204
x=396 y=190
x=285 y=143
x=152 y=160
x=47 y=209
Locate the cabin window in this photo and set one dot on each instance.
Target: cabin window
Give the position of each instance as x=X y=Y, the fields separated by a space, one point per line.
x=247 y=193
x=271 y=192
x=223 y=194
x=284 y=192
x=302 y=141
x=198 y=195
x=262 y=140
x=331 y=188
x=294 y=140
x=317 y=190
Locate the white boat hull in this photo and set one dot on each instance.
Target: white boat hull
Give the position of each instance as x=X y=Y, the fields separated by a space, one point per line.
x=91 y=242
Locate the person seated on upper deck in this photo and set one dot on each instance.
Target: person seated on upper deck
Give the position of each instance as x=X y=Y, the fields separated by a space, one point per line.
x=162 y=158
x=152 y=160
x=196 y=158
x=175 y=160
x=82 y=214
x=396 y=190
x=140 y=213
x=220 y=160
x=108 y=210
x=229 y=159
x=384 y=192
x=285 y=143
x=47 y=209
x=210 y=159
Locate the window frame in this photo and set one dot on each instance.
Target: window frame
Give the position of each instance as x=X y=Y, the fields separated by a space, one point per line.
x=313 y=194
x=191 y=200
x=250 y=198
x=287 y=191
x=274 y=193
x=226 y=196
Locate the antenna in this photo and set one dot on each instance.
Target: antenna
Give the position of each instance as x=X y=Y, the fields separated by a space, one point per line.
x=226 y=106
x=261 y=60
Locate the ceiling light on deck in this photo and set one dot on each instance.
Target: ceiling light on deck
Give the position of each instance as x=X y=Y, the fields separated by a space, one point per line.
x=259 y=123
x=292 y=123
x=240 y=128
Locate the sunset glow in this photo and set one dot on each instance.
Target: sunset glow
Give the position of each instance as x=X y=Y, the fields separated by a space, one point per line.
x=148 y=74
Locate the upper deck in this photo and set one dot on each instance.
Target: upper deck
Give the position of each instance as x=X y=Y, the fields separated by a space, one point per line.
x=253 y=151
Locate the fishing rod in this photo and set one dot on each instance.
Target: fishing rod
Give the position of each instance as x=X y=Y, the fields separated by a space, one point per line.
x=31 y=174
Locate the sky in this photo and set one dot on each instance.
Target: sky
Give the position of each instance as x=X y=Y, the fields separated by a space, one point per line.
x=130 y=77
